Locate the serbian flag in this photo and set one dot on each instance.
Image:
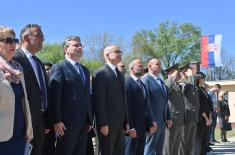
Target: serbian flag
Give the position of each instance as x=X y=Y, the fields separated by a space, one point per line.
x=210 y=51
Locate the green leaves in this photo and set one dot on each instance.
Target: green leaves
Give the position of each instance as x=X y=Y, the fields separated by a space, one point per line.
x=172 y=42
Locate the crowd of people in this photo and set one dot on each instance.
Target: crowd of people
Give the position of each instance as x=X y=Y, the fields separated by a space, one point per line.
x=59 y=108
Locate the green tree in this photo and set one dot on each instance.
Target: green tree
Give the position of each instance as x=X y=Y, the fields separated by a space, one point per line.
x=171 y=42
x=51 y=52
x=54 y=53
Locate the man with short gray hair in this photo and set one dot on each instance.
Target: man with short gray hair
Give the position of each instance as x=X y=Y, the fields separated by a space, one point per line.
x=71 y=103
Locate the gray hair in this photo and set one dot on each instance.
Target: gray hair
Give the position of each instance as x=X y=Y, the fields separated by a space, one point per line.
x=132 y=63
x=69 y=38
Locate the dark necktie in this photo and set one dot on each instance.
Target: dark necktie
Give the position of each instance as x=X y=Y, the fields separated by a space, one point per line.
x=42 y=83
x=142 y=88
x=119 y=76
x=81 y=73
x=162 y=86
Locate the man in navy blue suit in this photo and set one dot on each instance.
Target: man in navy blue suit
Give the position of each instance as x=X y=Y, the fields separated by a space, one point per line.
x=158 y=95
x=71 y=104
x=139 y=111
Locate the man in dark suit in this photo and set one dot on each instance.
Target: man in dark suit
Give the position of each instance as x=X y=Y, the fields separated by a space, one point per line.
x=139 y=112
x=36 y=83
x=109 y=102
x=173 y=136
x=158 y=96
x=71 y=104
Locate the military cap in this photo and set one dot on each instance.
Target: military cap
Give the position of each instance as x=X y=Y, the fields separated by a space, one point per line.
x=185 y=66
x=173 y=67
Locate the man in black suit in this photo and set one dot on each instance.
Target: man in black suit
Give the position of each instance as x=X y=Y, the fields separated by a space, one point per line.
x=36 y=83
x=71 y=104
x=139 y=111
x=110 y=103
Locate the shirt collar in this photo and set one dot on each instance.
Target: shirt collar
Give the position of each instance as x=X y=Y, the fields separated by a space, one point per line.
x=71 y=61
x=134 y=77
x=27 y=53
x=154 y=76
x=112 y=66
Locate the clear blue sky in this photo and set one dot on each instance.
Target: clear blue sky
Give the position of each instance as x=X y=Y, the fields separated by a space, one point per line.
x=122 y=18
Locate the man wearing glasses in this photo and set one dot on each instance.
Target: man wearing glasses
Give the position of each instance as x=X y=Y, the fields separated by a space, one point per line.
x=32 y=38
x=108 y=90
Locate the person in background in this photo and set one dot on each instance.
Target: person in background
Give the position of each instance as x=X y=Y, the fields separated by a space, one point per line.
x=31 y=37
x=121 y=67
x=213 y=92
x=15 y=118
x=48 y=66
x=223 y=115
x=50 y=138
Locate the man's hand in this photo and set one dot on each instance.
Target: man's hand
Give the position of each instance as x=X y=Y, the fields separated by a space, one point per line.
x=155 y=125
x=104 y=130
x=126 y=128
x=169 y=124
x=132 y=133
x=152 y=130
x=47 y=131
x=59 y=128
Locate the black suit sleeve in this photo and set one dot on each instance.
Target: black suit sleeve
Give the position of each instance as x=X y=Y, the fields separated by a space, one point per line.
x=129 y=106
x=56 y=87
x=98 y=92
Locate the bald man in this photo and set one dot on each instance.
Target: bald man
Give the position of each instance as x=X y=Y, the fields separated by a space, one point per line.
x=109 y=103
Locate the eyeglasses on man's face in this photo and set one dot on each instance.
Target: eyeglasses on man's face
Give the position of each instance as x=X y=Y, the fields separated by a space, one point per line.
x=117 y=52
x=37 y=35
x=9 y=40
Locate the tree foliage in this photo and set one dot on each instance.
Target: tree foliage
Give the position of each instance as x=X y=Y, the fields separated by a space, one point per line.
x=171 y=42
x=54 y=53
x=51 y=52
x=95 y=44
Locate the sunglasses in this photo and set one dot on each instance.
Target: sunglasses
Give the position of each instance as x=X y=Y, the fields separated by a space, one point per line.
x=9 y=40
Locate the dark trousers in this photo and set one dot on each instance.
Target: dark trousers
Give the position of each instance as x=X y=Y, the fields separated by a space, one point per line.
x=49 y=145
x=212 y=127
x=90 y=148
x=113 y=144
x=38 y=137
x=135 y=146
x=74 y=142
x=203 y=134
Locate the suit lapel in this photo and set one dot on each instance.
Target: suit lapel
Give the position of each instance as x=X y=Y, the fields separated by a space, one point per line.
x=75 y=73
x=139 y=91
x=157 y=84
x=30 y=68
x=114 y=76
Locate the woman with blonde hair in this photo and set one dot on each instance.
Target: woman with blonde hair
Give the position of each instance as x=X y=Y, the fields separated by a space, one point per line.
x=15 y=119
x=224 y=114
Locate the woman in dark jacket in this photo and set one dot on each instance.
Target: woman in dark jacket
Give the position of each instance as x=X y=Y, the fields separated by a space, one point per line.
x=204 y=112
x=224 y=114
